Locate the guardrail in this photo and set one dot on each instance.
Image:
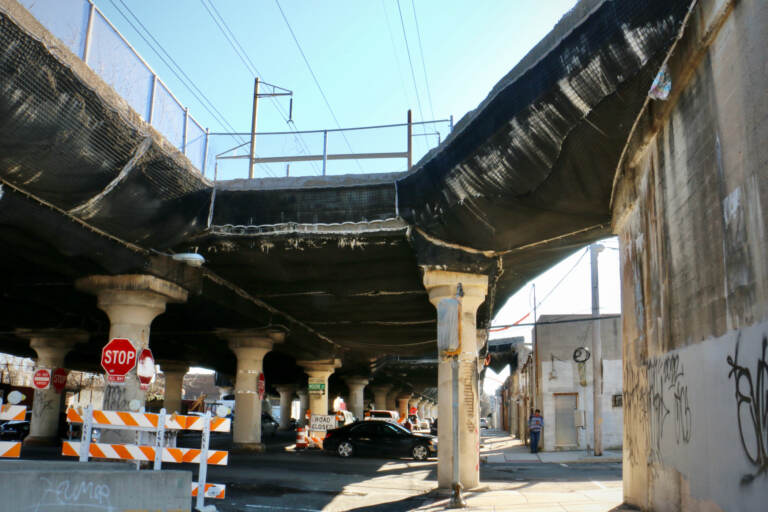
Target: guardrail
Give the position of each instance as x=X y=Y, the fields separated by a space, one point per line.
x=156 y=452
x=93 y=38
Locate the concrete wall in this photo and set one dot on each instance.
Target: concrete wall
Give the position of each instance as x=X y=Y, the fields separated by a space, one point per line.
x=689 y=208
x=560 y=374
x=48 y=486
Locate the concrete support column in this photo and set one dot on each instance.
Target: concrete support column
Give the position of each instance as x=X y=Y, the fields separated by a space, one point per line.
x=402 y=404
x=303 y=406
x=286 y=399
x=442 y=285
x=174 y=372
x=250 y=346
x=356 y=387
x=131 y=302
x=392 y=399
x=380 y=395
x=318 y=372
x=423 y=405
x=51 y=346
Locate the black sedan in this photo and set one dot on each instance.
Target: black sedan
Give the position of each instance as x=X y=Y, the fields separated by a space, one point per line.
x=374 y=437
x=14 y=430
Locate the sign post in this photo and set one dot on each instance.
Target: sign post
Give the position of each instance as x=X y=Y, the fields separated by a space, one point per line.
x=118 y=357
x=42 y=378
x=59 y=379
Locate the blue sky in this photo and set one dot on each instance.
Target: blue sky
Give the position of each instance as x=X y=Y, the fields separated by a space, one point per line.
x=358 y=53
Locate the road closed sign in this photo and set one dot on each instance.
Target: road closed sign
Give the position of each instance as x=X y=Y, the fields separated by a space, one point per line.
x=322 y=423
x=118 y=357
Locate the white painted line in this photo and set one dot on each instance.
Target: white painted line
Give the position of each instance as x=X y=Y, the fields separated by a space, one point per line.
x=599 y=484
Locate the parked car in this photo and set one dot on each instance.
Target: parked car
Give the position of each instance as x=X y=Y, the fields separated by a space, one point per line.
x=483 y=423
x=433 y=427
x=379 y=437
x=14 y=430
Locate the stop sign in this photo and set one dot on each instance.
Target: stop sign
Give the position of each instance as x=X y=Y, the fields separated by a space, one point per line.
x=42 y=378
x=260 y=386
x=59 y=379
x=118 y=357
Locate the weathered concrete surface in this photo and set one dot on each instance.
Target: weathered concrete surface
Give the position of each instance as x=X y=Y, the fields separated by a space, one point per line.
x=59 y=486
x=689 y=206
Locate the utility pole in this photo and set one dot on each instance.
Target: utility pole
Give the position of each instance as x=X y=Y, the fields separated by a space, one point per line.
x=534 y=341
x=253 y=126
x=597 y=353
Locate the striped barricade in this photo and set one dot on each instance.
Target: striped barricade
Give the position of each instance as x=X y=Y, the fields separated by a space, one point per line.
x=144 y=453
x=148 y=420
x=10 y=412
x=157 y=424
x=216 y=491
x=10 y=449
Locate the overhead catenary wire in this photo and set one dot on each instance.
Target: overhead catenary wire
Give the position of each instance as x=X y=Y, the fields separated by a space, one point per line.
x=314 y=77
x=423 y=61
x=410 y=63
x=165 y=57
x=242 y=54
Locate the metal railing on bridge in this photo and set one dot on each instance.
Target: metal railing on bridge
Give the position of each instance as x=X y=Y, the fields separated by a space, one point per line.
x=92 y=37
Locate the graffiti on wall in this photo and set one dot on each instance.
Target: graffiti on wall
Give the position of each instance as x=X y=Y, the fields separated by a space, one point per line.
x=635 y=397
x=751 y=395
x=669 y=404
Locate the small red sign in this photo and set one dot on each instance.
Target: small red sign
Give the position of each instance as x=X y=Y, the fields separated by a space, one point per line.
x=59 y=379
x=261 y=386
x=118 y=357
x=145 y=369
x=42 y=378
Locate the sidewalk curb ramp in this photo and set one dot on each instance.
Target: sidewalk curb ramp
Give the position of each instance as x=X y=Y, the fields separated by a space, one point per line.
x=74 y=487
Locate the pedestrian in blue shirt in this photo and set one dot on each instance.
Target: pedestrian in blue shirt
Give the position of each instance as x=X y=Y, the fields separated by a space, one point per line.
x=535 y=424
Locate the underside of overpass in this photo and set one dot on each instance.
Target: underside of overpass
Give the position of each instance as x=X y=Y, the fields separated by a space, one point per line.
x=89 y=188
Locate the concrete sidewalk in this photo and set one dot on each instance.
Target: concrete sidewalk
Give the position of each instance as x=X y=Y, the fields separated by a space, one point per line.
x=497 y=447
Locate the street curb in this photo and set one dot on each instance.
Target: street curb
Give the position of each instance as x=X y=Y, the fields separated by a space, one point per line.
x=484 y=460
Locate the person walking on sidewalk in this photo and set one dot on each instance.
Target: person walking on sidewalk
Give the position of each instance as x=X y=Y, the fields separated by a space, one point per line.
x=535 y=424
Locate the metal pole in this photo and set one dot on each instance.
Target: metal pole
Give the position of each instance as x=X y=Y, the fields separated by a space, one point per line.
x=202 y=473
x=205 y=149
x=534 y=388
x=451 y=121
x=186 y=128
x=88 y=32
x=410 y=140
x=597 y=353
x=152 y=99
x=325 y=150
x=253 y=126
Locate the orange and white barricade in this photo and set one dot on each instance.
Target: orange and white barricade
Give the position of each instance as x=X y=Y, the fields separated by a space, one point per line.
x=217 y=491
x=9 y=412
x=156 y=453
x=301 y=438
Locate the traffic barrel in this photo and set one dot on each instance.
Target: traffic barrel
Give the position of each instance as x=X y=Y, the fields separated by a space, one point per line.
x=301 y=438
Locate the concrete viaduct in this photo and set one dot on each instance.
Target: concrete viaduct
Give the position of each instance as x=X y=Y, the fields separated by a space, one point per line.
x=333 y=277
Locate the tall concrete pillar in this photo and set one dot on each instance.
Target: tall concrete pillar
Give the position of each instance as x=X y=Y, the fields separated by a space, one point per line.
x=380 y=395
x=442 y=285
x=286 y=399
x=51 y=346
x=250 y=346
x=414 y=402
x=131 y=302
x=303 y=406
x=392 y=399
x=423 y=404
x=356 y=387
x=402 y=403
x=318 y=372
x=174 y=372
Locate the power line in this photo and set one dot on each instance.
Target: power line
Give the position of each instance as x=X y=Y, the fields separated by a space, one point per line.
x=410 y=61
x=314 y=77
x=423 y=63
x=231 y=38
x=186 y=81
